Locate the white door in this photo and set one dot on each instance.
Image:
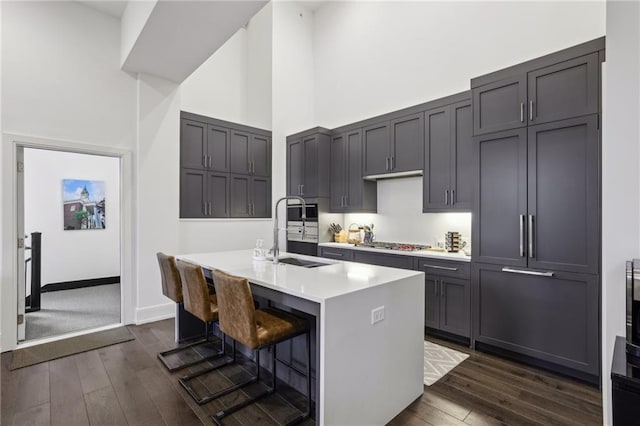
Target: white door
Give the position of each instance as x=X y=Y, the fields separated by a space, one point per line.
x=20 y=242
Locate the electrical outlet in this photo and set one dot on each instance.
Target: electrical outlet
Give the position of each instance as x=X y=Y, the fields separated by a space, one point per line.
x=377 y=314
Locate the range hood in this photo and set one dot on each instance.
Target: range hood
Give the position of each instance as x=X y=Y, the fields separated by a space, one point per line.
x=381 y=176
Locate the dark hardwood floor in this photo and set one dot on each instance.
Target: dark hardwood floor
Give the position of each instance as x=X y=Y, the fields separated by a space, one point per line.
x=126 y=384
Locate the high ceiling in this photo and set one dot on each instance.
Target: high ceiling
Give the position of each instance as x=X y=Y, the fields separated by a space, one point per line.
x=114 y=8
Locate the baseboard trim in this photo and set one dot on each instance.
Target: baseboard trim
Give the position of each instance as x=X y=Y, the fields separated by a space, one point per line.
x=155 y=313
x=70 y=285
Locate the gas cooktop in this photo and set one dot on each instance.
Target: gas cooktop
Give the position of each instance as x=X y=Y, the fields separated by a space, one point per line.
x=393 y=246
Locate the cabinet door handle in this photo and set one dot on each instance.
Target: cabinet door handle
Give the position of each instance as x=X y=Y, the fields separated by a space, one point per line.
x=453 y=196
x=522 y=112
x=446 y=197
x=299 y=190
x=386 y=164
x=204 y=161
x=330 y=253
x=210 y=161
x=209 y=203
x=302 y=189
x=531 y=250
x=391 y=162
x=526 y=272
x=204 y=207
x=444 y=268
x=530 y=110
x=522 y=220
x=253 y=166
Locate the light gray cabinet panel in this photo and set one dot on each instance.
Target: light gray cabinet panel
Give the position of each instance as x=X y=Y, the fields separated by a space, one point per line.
x=501 y=198
x=500 y=106
x=554 y=319
x=407 y=143
x=193 y=193
x=240 y=152
x=217 y=148
x=565 y=90
x=193 y=144
x=218 y=198
x=376 y=149
x=564 y=195
x=437 y=176
x=260 y=155
x=240 y=195
x=462 y=164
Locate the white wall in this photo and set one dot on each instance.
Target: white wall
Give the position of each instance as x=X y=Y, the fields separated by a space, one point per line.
x=620 y=174
x=376 y=57
x=71 y=255
x=259 y=65
x=61 y=64
x=62 y=76
x=400 y=217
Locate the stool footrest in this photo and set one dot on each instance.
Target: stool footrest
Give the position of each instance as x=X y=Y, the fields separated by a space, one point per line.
x=162 y=355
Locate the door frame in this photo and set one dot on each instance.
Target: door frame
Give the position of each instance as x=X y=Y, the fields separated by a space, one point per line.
x=8 y=231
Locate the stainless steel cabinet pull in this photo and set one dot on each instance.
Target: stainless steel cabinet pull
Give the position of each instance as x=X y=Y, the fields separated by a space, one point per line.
x=299 y=189
x=446 y=197
x=391 y=167
x=531 y=251
x=526 y=272
x=453 y=199
x=444 y=268
x=530 y=110
x=210 y=161
x=522 y=254
x=210 y=211
x=522 y=112
x=386 y=164
x=253 y=167
x=330 y=253
x=302 y=189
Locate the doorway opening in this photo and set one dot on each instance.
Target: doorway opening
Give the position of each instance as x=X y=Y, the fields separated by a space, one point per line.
x=68 y=210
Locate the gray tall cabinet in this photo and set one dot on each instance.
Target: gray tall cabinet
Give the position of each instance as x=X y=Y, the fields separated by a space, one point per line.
x=225 y=169
x=536 y=215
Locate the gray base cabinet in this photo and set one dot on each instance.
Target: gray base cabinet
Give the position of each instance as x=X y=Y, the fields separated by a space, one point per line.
x=336 y=253
x=381 y=259
x=210 y=150
x=447 y=295
x=551 y=318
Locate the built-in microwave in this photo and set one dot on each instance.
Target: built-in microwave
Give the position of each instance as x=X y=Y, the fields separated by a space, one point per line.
x=294 y=213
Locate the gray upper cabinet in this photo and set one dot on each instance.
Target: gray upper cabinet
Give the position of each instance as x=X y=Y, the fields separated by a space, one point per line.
x=218 y=194
x=350 y=193
x=500 y=105
x=437 y=162
x=448 y=158
x=563 y=195
x=501 y=198
x=308 y=163
x=193 y=146
x=260 y=155
x=394 y=146
x=564 y=90
x=376 y=149
x=217 y=148
x=210 y=150
x=407 y=143
x=553 y=318
x=193 y=193
x=295 y=166
x=240 y=155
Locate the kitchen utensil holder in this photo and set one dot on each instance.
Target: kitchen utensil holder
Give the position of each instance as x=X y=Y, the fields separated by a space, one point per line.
x=340 y=237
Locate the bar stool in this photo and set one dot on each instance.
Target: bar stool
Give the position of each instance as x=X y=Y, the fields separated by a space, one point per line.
x=256 y=329
x=172 y=288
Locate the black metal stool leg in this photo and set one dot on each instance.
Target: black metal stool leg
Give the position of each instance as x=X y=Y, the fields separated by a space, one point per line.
x=162 y=356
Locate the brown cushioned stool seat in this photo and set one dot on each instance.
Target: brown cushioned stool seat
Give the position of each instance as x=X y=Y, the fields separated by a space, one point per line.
x=275 y=325
x=173 y=289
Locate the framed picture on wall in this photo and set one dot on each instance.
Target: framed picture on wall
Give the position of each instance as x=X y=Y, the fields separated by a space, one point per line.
x=83 y=203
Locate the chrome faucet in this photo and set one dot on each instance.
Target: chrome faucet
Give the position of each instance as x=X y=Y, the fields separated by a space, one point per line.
x=275 y=250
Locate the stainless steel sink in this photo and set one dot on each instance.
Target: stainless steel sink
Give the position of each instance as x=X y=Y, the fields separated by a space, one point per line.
x=301 y=263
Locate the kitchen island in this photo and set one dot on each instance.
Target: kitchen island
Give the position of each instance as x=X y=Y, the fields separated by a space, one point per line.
x=365 y=373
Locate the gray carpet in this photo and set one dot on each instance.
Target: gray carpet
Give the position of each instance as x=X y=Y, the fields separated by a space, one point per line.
x=72 y=310
x=74 y=345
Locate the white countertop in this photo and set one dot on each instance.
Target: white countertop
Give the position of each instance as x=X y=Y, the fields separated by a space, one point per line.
x=460 y=256
x=318 y=284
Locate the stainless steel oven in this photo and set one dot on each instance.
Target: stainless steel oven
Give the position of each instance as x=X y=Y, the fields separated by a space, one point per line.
x=298 y=241
x=294 y=213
